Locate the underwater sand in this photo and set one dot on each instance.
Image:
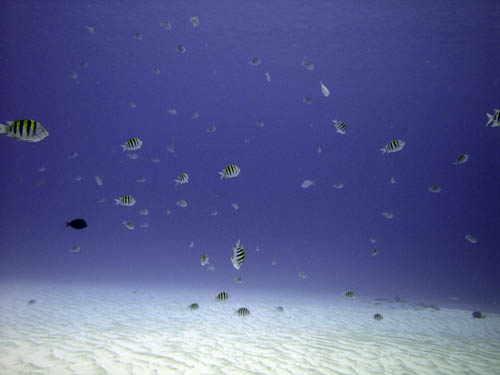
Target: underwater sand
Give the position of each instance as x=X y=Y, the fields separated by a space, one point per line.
x=78 y=329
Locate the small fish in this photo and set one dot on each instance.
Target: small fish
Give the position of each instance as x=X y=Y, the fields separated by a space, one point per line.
x=144 y=225
x=374 y=252
x=84 y=64
x=242 y=311
x=98 y=180
x=378 y=317
x=307 y=100
x=172 y=111
x=273 y=263
x=280 y=309
x=222 y=296
x=246 y=140
x=393 y=180
x=260 y=124
x=235 y=206
x=133 y=156
x=195 y=21
x=24 y=130
x=319 y=150
x=308 y=65
x=73 y=155
x=73 y=75
x=388 y=215
x=478 y=315
x=238 y=256
x=193 y=306
x=181 y=48
x=102 y=200
x=268 y=77
x=338 y=185
x=41 y=169
x=156 y=71
x=324 y=89
x=195 y=116
x=155 y=160
x=238 y=279
x=141 y=180
x=138 y=36
x=129 y=225
x=230 y=171
x=494 y=119
x=90 y=29
x=372 y=239
x=204 y=260
x=77 y=178
x=255 y=61
x=132 y=105
x=307 y=183
x=132 y=144
x=393 y=146
x=191 y=245
x=340 y=126
x=31 y=301
x=182 y=203
x=211 y=268
x=144 y=211
x=214 y=213
x=303 y=275
x=171 y=146
x=126 y=200
x=257 y=249
x=168 y=212
x=75 y=249
x=166 y=25
x=349 y=294
x=434 y=189
x=211 y=129
x=471 y=238
x=77 y=224
x=462 y=158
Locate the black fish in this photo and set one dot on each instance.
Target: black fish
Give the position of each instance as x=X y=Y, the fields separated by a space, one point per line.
x=77 y=224
x=478 y=315
x=31 y=301
x=378 y=317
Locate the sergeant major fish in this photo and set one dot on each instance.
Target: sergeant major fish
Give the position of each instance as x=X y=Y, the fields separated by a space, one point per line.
x=393 y=146
x=230 y=171
x=24 y=130
x=127 y=200
x=132 y=144
x=238 y=256
x=494 y=119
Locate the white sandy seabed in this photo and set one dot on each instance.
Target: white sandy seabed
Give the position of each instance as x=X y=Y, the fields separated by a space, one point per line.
x=90 y=330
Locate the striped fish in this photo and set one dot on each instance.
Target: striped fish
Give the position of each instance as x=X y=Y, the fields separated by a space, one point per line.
x=132 y=144
x=222 y=296
x=238 y=256
x=494 y=119
x=462 y=158
x=24 y=130
x=182 y=179
x=340 y=126
x=349 y=294
x=193 y=306
x=378 y=317
x=242 y=311
x=127 y=200
x=204 y=259
x=230 y=171
x=393 y=146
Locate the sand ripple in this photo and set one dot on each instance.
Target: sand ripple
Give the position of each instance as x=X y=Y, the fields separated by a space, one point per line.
x=80 y=330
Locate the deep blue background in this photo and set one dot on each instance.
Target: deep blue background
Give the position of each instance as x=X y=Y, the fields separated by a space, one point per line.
x=425 y=72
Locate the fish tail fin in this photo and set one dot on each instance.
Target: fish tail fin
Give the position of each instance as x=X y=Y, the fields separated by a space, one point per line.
x=490 y=119
x=384 y=150
x=117 y=202
x=4 y=128
x=221 y=175
x=67 y=224
x=176 y=182
x=124 y=147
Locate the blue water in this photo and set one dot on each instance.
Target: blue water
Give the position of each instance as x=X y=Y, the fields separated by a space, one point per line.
x=425 y=72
